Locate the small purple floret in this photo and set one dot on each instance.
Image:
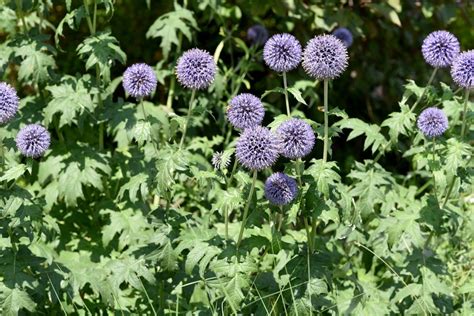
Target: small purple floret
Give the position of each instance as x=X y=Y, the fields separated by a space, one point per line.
x=8 y=102
x=325 y=57
x=297 y=138
x=432 y=122
x=196 y=69
x=462 y=70
x=257 y=148
x=440 y=48
x=280 y=189
x=139 y=80
x=282 y=52
x=33 y=140
x=344 y=35
x=245 y=110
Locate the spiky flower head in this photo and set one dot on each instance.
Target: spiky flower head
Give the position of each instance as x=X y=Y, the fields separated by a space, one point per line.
x=280 y=189
x=344 y=35
x=8 y=102
x=432 y=122
x=325 y=57
x=257 y=148
x=196 y=69
x=33 y=140
x=257 y=34
x=245 y=110
x=139 y=80
x=462 y=70
x=282 y=52
x=440 y=48
x=220 y=160
x=297 y=138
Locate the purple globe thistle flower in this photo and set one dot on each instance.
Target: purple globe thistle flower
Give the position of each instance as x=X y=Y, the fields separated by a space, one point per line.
x=257 y=34
x=245 y=110
x=462 y=69
x=282 y=52
x=220 y=161
x=139 y=80
x=196 y=69
x=280 y=189
x=344 y=35
x=297 y=138
x=257 y=148
x=33 y=140
x=325 y=57
x=440 y=48
x=432 y=122
x=8 y=102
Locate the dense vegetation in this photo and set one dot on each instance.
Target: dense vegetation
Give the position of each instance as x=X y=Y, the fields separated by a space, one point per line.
x=130 y=203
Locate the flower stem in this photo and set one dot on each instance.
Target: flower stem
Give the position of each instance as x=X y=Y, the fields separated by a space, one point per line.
x=464 y=114
x=433 y=151
x=285 y=88
x=190 y=109
x=326 y=122
x=247 y=206
x=2 y=156
x=424 y=90
x=226 y=222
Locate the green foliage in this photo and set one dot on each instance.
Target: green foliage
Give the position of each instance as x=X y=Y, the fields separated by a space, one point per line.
x=118 y=218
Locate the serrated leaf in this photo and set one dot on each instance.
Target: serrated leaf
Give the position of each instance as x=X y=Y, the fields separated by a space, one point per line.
x=297 y=94
x=324 y=173
x=13 y=173
x=36 y=63
x=137 y=182
x=169 y=24
x=371 y=131
x=15 y=300
x=70 y=98
x=400 y=122
x=102 y=50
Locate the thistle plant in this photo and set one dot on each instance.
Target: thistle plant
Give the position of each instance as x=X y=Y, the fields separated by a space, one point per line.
x=245 y=110
x=256 y=149
x=195 y=70
x=282 y=53
x=344 y=35
x=33 y=140
x=325 y=58
x=8 y=102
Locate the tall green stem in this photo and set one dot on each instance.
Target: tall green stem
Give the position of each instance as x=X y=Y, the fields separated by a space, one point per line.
x=464 y=114
x=430 y=81
x=190 y=109
x=326 y=122
x=2 y=155
x=19 y=9
x=285 y=87
x=247 y=206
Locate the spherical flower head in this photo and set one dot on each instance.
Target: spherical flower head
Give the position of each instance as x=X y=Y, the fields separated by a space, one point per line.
x=440 y=48
x=139 y=80
x=220 y=161
x=196 y=69
x=280 y=189
x=344 y=35
x=8 y=102
x=432 y=122
x=245 y=110
x=257 y=34
x=325 y=57
x=297 y=138
x=462 y=70
x=257 y=148
x=33 y=140
x=282 y=52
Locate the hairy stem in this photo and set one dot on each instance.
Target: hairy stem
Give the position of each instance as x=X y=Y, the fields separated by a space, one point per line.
x=326 y=122
x=190 y=109
x=247 y=206
x=285 y=88
x=433 y=157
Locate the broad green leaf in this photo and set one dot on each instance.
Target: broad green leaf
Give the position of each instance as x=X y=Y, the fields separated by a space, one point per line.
x=102 y=50
x=16 y=299
x=36 y=61
x=324 y=173
x=72 y=97
x=373 y=137
x=13 y=173
x=169 y=25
